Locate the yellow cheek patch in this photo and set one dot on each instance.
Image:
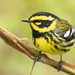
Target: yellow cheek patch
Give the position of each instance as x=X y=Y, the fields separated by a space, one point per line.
x=42 y=18
x=38 y=23
x=45 y=29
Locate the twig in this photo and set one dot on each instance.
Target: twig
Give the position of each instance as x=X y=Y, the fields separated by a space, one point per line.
x=23 y=47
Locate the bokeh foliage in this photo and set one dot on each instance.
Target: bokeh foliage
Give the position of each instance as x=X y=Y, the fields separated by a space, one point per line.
x=12 y=12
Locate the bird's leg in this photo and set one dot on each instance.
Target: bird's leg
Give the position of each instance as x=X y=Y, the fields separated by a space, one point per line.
x=38 y=55
x=60 y=64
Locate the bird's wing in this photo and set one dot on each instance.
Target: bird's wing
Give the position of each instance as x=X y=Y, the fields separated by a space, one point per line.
x=64 y=30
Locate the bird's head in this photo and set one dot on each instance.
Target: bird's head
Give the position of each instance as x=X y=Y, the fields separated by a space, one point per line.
x=42 y=21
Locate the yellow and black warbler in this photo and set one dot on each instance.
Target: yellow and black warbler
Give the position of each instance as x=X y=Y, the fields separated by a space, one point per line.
x=51 y=34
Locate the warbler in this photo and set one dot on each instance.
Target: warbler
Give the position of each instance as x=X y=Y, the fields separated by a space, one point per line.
x=51 y=34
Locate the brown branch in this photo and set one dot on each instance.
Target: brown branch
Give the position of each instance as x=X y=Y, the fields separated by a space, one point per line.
x=23 y=47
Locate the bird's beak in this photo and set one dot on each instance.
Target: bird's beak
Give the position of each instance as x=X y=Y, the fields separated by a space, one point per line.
x=26 y=20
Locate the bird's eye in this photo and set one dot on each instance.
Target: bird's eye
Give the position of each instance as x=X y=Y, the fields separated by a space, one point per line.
x=39 y=20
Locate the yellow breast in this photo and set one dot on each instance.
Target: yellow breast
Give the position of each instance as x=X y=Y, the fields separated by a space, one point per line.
x=46 y=44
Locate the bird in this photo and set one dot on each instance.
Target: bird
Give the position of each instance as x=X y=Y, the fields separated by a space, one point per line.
x=51 y=34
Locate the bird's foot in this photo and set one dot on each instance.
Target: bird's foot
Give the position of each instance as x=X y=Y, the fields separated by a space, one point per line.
x=60 y=66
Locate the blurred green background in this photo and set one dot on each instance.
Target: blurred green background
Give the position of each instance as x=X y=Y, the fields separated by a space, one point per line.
x=13 y=62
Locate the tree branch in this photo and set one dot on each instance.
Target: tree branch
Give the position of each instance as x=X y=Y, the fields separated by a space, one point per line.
x=23 y=47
